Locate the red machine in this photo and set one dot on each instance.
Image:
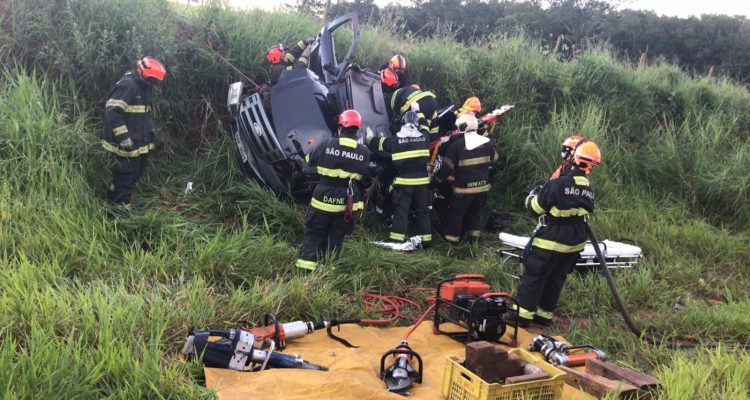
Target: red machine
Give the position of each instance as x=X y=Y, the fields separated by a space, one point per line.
x=466 y=301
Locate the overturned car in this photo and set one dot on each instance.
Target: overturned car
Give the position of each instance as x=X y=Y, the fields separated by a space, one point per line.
x=273 y=136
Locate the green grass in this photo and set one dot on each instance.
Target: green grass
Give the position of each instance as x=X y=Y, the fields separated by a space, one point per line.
x=93 y=306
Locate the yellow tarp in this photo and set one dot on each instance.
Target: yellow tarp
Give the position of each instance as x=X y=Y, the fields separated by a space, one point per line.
x=353 y=372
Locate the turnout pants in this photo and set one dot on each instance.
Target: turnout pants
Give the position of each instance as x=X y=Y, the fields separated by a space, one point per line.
x=324 y=235
x=125 y=173
x=464 y=214
x=405 y=199
x=542 y=282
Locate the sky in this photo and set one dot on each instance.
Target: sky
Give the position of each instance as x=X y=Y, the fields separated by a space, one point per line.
x=679 y=8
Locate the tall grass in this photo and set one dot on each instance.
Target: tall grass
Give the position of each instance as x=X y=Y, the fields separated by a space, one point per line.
x=93 y=306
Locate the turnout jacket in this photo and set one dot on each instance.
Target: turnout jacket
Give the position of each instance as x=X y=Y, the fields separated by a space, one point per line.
x=126 y=115
x=341 y=162
x=292 y=59
x=401 y=100
x=470 y=168
x=565 y=202
x=410 y=156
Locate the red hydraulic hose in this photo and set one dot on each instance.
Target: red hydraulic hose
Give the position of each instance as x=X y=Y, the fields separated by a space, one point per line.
x=419 y=321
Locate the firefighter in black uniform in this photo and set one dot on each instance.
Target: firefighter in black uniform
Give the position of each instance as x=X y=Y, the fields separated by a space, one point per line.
x=127 y=132
x=564 y=205
x=283 y=58
x=341 y=163
x=466 y=165
x=402 y=99
x=409 y=151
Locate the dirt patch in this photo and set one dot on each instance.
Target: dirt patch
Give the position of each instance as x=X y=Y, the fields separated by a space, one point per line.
x=563 y=323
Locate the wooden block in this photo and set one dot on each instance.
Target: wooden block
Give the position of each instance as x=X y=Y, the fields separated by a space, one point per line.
x=616 y=372
x=526 y=378
x=481 y=359
x=512 y=366
x=599 y=386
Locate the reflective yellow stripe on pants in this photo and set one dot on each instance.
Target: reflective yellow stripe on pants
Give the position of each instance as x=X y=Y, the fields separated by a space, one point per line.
x=544 y=313
x=557 y=247
x=310 y=265
x=523 y=313
x=397 y=236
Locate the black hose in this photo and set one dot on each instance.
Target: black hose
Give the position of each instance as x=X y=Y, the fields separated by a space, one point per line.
x=625 y=316
x=338 y=323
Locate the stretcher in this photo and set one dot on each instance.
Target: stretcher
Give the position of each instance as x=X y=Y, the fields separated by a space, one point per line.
x=617 y=254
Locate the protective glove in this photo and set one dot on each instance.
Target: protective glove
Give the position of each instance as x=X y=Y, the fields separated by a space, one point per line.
x=369 y=136
x=126 y=144
x=531 y=191
x=308 y=41
x=415 y=107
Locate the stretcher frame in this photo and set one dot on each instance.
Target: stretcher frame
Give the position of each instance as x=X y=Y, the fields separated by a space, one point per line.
x=586 y=262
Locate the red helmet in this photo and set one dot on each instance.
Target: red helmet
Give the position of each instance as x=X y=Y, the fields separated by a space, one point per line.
x=275 y=53
x=350 y=118
x=397 y=63
x=149 y=67
x=389 y=77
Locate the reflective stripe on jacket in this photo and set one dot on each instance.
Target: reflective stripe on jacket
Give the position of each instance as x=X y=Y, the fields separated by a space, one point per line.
x=564 y=202
x=339 y=162
x=126 y=116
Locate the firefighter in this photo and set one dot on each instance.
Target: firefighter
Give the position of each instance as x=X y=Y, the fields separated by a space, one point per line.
x=283 y=58
x=402 y=99
x=127 y=132
x=472 y=106
x=564 y=205
x=568 y=148
x=466 y=166
x=397 y=64
x=409 y=151
x=341 y=163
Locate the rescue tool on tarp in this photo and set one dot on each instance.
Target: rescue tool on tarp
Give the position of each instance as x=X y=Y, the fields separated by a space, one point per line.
x=400 y=376
x=557 y=352
x=239 y=350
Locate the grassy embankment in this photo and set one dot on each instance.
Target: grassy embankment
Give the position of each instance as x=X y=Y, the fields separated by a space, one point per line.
x=92 y=307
